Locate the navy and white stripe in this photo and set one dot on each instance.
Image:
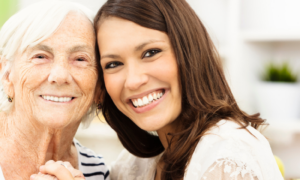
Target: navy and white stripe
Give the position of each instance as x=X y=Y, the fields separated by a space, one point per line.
x=91 y=165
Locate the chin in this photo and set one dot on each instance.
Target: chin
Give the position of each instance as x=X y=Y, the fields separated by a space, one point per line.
x=151 y=125
x=55 y=122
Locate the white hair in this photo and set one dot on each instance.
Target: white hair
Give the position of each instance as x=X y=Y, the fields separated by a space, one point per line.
x=29 y=27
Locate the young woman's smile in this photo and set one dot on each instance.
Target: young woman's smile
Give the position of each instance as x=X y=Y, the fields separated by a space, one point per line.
x=140 y=72
x=147 y=101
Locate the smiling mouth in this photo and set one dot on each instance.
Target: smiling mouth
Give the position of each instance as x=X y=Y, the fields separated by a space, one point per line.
x=57 y=99
x=148 y=99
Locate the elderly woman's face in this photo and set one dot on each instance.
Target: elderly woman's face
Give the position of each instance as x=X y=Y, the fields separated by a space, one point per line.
x=54 y=81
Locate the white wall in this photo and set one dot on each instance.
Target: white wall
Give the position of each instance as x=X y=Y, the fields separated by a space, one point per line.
x=92 y=4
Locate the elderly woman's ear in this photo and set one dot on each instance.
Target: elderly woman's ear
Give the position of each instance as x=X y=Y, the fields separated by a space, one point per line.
x=6 y=78
x=99 y=94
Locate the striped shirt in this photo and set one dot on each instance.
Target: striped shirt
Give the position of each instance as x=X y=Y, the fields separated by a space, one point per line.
x=90 y=164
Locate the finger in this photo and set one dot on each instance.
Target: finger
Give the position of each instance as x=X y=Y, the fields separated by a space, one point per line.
x=69 y=165
x=50 y=162
x=74 y=172
x=42 y=177
x=57 y=170
x=79 y=178
x=59 y=162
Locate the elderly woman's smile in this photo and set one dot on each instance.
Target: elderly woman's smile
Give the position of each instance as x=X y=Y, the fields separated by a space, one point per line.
x=55 y=79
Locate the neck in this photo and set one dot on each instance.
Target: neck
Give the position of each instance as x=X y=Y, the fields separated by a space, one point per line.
x=26 y=145
x=165 y=138
x=163 y=133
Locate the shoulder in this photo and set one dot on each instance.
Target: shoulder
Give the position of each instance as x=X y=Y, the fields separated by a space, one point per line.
x=129 y=166
x=228 y=143
x=226 y=129
x=91 y=164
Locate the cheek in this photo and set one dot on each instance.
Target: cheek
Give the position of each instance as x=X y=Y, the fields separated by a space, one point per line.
x=113 y=84
x=166 y=70
x=28 y=77
x=86 y=79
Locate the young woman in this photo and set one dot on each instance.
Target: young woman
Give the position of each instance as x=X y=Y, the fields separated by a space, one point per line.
x=162 y=73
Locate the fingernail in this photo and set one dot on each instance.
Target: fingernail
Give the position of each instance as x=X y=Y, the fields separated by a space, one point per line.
x=42 y=168
x=32 y=176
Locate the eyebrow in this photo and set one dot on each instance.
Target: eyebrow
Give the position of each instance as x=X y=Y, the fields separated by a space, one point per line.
x=42 y=47
x=72 y=49
x=80 y=48
x=137 y=48
x=141 y=46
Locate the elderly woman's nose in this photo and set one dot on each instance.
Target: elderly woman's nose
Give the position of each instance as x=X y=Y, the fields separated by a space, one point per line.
x=60 y=74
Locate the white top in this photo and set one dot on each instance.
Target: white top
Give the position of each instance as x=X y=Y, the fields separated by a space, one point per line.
x=224 y=152
x=1 y=174
x=90 y=164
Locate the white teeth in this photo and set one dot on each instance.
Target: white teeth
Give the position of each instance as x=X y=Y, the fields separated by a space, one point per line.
x=150 y=97
x=140 y=102
x=147 y=99
x=154 y=96
x=135 y=103
x=57 y=99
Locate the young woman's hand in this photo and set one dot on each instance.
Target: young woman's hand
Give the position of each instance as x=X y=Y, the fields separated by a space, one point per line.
x=57 y=171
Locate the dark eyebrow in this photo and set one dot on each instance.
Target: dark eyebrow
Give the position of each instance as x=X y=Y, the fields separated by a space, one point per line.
x=141 y=46
x=110 y=56
x=137 y=48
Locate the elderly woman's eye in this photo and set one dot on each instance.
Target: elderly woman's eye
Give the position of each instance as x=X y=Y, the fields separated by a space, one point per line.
x=113 y=65
x=40 y=56
x=151 y=52
x=80 y=59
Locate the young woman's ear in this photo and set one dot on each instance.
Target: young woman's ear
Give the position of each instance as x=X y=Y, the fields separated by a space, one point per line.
x=6 y=80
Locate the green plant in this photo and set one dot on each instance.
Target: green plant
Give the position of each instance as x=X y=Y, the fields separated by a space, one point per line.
x=279 y=73
x=7 y=8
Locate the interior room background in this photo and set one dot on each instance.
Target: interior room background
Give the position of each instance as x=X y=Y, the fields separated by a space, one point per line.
x=250 y=35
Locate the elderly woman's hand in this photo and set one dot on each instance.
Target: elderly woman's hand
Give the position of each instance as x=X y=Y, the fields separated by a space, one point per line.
x=58 y=171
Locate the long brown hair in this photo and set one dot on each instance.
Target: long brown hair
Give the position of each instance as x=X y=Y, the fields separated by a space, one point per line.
x=206 y=96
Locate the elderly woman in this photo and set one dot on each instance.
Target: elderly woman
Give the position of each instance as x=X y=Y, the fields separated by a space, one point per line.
x=49 y=72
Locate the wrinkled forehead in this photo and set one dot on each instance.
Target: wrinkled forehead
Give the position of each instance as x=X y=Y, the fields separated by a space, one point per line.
x=37 y=22
x=79 y=36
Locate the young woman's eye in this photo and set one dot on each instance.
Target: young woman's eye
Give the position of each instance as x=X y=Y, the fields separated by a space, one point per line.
x=113 y=65
x=152 y=52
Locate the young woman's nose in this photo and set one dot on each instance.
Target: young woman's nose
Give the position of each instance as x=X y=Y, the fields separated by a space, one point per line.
x=59 y=74
x=135 y=78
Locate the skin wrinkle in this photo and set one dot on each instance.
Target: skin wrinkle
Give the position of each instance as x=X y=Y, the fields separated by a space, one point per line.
x=33 y=133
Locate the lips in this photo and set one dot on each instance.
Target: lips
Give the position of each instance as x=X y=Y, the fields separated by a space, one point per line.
x=147 y=99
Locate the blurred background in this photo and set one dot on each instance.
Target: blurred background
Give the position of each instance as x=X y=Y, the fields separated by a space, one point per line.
x=259 y=43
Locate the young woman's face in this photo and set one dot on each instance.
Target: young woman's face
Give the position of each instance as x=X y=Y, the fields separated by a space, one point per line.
x=140 y=73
